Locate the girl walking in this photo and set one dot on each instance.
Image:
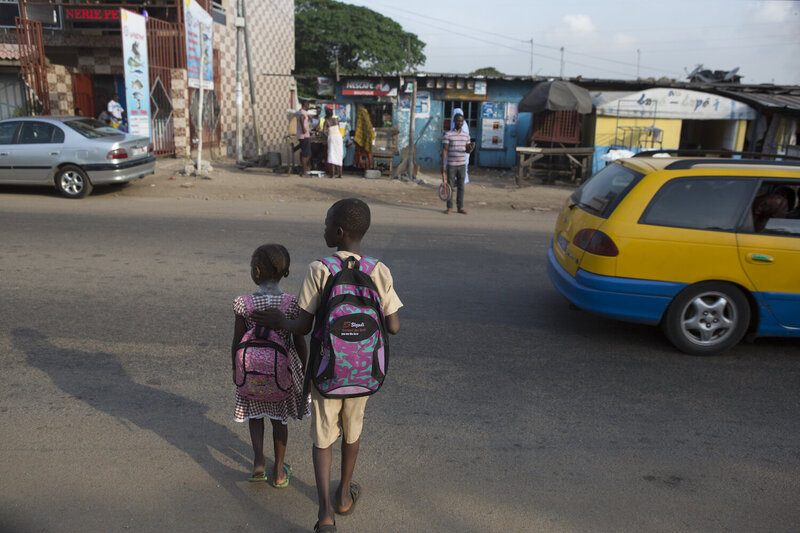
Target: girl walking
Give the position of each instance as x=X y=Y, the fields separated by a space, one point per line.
x=268 y=265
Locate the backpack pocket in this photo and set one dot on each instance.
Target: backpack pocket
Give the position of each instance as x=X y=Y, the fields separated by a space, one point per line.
x=263 y=370
x=355 y=362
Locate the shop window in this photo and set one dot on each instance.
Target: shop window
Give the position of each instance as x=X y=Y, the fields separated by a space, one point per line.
x=471 y=113
x=49 y=16
x=380 y=115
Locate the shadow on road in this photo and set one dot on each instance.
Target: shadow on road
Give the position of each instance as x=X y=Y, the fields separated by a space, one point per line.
x=100 y=380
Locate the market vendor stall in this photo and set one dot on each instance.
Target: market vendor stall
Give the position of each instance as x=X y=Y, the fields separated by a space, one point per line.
x=555 y=130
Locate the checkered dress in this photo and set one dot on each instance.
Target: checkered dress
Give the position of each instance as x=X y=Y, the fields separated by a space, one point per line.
x=283 y=411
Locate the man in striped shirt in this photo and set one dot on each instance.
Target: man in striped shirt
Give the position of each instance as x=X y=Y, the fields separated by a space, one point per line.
x=455 y=155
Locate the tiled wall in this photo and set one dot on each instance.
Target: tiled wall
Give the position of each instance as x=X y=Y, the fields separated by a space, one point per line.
x=270 y=27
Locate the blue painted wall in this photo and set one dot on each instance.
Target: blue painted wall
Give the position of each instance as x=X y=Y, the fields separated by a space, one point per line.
x=429 y=146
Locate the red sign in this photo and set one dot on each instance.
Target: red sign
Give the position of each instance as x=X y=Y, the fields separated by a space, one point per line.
x=91 y=14
x=356 y=87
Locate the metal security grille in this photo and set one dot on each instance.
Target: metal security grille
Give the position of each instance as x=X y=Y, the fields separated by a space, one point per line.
x=164 y=53
x=32 y=65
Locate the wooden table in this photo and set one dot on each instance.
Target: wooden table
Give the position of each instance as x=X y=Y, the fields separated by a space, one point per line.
x=578 y=156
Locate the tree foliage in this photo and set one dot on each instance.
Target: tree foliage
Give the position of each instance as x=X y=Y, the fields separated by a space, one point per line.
x=365 y=42
x=488 y=71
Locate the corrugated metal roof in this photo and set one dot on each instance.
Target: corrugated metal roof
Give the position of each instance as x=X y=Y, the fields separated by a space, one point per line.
x=788 y=100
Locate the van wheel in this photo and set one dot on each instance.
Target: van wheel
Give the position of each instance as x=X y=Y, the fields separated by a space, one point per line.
x=707 y=318
x=72 y=182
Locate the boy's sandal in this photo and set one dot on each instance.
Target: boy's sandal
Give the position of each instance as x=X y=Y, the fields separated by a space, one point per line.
x=330 y=528
x=285 y=482
x=355 y=492
x=257 y=477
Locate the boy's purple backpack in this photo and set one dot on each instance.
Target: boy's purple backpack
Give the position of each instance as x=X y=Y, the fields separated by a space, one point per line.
x=263 y=368
x=349 y=350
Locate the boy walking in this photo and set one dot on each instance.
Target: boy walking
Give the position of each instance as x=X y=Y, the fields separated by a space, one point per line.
x=345 y=225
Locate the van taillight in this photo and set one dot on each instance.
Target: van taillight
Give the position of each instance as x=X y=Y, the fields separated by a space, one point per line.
x=119 y=153
x=595 y=242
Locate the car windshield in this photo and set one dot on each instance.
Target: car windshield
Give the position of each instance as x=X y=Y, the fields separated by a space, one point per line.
x=91 y=128
x=603 y=191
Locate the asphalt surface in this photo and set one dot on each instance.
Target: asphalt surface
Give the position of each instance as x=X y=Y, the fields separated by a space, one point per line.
x=504 y=410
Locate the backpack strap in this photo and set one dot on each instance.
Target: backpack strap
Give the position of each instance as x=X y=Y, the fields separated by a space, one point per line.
x=248 y=303
x=367 y=264
x=333 y=264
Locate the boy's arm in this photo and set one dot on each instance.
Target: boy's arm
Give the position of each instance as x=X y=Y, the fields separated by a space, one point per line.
x=301 y=347
x=274 y=319
x=393 y=323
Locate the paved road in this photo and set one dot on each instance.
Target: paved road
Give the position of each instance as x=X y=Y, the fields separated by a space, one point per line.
x=504 y=410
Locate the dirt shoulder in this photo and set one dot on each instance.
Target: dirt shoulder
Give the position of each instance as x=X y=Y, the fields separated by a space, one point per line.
x=493 y=189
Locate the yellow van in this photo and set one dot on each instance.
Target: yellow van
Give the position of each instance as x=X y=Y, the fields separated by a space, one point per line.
x=708 y=248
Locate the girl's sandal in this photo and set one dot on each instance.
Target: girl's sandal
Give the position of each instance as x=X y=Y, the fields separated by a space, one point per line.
x=285 y=482
x=257 y=477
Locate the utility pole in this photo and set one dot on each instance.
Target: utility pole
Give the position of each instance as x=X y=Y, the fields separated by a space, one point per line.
x=200 y=102
x=531 y=57
x=638 y=59
x=411 y=119
x=239 y=28
x=562 y=63
x=253 y=109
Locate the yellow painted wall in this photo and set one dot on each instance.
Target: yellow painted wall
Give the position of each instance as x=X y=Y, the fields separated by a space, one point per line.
x=606 y=130
x=740 y=135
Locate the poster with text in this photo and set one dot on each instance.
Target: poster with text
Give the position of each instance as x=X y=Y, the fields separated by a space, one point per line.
x=423 y=108
x=493 y=134
x=137 y=82
x=199 y=41
x=512 y=113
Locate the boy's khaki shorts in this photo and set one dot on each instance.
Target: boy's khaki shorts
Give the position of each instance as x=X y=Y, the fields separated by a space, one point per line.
x=330 y=417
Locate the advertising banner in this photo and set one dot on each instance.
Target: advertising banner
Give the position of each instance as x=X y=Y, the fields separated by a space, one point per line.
x=423 y=109
x=137 y=81
x=493 y=134
x=368 y=88
x=199 y=39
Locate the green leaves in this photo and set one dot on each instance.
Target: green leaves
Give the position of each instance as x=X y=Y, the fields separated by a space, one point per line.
x=363 y=41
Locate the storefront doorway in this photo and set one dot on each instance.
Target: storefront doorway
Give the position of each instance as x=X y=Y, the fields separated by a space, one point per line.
x=472 y=112
x=380 y=114
x=709 y=134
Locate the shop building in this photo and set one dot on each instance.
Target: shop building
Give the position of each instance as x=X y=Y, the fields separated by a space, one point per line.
x=70 y=58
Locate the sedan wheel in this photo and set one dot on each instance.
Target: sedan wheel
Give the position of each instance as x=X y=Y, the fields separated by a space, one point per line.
x=72 y=182
x=707 y=318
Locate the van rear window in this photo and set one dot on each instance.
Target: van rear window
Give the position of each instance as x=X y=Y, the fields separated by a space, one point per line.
x=605 y=190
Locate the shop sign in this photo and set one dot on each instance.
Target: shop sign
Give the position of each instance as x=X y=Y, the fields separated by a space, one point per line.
x=324 y=86
x=462 y=94
x=363 y=87
x=91 y=14
x=137 y=83
x=199 y=42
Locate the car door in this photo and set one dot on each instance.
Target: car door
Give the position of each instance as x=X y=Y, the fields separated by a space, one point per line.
x=8 y=131
x=36 y=153
x=770 y=257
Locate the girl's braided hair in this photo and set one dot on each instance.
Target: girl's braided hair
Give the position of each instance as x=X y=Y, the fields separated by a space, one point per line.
x=272 y=261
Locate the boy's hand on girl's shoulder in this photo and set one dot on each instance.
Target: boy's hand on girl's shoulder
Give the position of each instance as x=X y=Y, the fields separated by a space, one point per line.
x=270 y=318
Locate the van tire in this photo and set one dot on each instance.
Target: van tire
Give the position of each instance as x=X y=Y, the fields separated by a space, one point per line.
x=707 y=318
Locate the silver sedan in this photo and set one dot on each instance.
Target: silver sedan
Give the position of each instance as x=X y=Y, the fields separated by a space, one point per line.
x=72 y=153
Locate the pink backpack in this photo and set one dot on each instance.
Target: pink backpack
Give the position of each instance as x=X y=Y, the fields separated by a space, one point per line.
x=263 y=368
